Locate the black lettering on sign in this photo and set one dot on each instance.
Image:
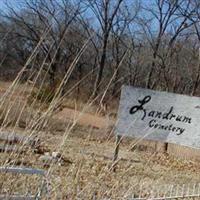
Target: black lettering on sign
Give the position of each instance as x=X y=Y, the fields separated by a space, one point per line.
x=166 y=115
x=140 y=107
x=187 y=120
x=169 y=115
x=154 y=124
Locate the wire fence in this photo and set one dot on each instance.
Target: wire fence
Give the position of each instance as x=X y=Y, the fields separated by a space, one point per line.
x=165 y=192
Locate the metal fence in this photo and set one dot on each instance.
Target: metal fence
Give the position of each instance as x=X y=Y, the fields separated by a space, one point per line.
x=43 y=189
x=171 y=192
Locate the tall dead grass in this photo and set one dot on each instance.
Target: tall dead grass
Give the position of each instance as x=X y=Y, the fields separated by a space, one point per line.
x=83 y=174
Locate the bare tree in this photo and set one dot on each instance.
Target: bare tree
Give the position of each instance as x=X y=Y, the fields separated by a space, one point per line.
x=37 y=15
x=170 y=17
x=105 y=12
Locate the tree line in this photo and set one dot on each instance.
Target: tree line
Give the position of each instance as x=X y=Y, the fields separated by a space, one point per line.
x=152 y=44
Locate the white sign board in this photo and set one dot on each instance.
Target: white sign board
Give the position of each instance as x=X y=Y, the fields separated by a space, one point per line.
x=160 y=116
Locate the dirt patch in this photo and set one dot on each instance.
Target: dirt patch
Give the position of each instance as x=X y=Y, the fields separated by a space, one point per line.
x=85 y=119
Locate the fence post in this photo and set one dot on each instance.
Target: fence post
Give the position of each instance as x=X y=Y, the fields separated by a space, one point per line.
x=116 y=152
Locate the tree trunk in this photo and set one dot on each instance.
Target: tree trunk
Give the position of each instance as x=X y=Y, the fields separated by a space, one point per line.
x=101 y=67
x=52 y=74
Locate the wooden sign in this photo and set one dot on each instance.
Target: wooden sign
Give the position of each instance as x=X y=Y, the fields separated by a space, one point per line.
x=160 y=116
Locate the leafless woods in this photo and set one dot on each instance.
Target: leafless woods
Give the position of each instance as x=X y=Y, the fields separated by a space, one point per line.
x=153 y=44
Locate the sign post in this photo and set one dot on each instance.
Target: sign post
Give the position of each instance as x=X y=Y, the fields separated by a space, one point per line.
x=115 y=156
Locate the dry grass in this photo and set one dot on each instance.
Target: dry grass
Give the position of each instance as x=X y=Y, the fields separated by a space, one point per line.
x=85 y=170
